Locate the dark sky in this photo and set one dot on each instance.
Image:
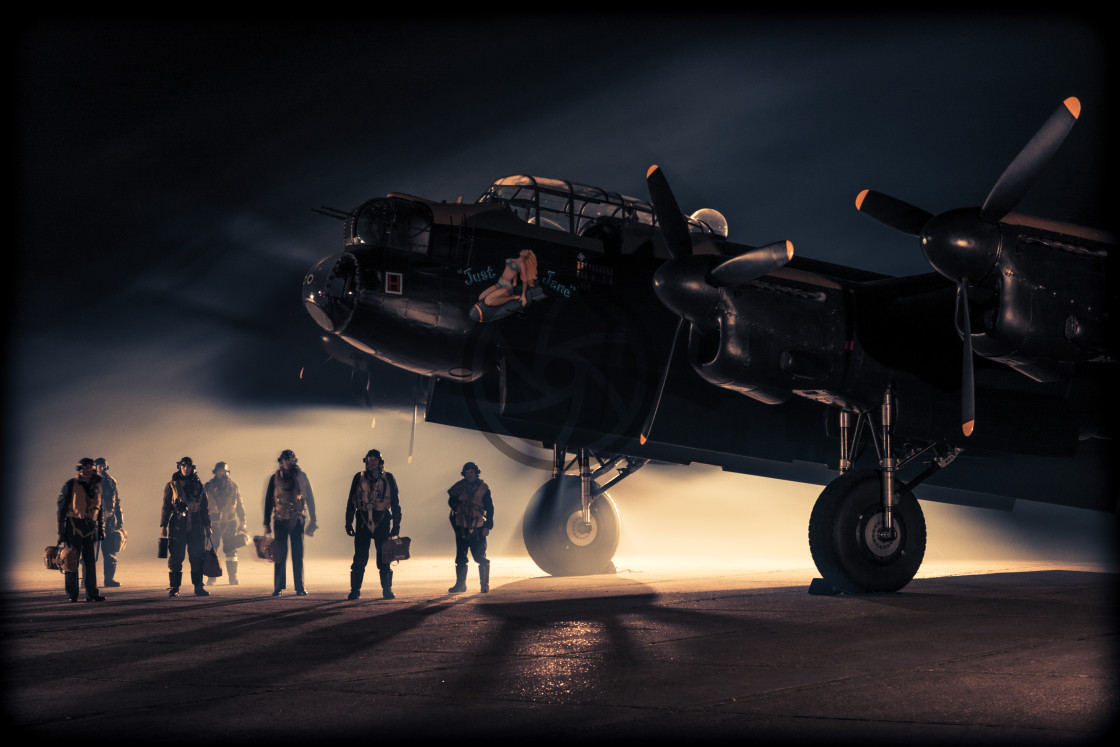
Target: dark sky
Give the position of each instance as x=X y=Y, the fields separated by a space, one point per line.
x=166 y=175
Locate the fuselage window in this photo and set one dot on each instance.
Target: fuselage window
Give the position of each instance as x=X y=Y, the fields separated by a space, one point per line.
x=593 y=273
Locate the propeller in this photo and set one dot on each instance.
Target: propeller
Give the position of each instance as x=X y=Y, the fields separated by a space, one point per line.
x=648 y=425
x=669 y=216
x=689 y=284
x=1021 y=173
x=962 y=244
x=415 y=414
x=968 y=387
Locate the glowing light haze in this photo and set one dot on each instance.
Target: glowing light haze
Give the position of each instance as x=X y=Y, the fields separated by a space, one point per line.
x=167 y=176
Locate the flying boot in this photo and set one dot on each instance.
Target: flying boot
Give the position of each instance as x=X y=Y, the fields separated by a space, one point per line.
x=356 y=584
x=110 y=572
x=92 y=594
x=71 y=585
x=231 y=572
x=199 y=589
x=484 y=576
x=175 y=580
x=460 y=580
x=387 y=584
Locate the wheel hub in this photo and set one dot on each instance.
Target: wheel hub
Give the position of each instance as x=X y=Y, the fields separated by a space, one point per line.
x=881 y=542
x=579 y=533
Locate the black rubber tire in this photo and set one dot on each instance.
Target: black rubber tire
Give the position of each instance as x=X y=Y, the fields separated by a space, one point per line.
x=555 y=544
x=842 y=536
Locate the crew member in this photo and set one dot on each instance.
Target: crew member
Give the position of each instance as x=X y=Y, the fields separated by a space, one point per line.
x=373 y=512
x=287 y=497
x=227 y=513
x=185 y=521
x=114 y=522
x=80 y=528
x=472 y=518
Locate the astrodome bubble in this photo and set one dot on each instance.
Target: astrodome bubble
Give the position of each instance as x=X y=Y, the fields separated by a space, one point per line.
x=713 y=219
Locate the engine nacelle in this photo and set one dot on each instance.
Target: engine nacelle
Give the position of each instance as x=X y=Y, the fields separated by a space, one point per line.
x=775 y=340
x=1047 y=307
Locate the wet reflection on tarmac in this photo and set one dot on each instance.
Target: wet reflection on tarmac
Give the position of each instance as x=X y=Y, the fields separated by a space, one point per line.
x=1014 y=654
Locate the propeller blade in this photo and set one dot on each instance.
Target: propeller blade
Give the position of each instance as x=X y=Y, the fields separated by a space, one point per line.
x=361 y=385
x=1020 y=174
x=412 y=434
x=415 y=413
x=648 y=425
x=968 y=393
x=673 y=225
x=303 y=369
x=753 y=263
x=899 y=215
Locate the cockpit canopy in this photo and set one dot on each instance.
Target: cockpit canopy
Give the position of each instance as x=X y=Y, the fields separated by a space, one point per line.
x=573 y=208
x=391 y=222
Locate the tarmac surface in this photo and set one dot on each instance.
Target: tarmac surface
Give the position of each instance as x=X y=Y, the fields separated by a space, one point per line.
x=1016 y=654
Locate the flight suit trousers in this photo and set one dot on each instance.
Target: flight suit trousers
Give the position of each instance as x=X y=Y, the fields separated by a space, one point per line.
x=185 y=542
x=283 y=532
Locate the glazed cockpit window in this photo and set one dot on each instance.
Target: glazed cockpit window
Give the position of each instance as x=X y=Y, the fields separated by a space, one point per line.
x=566 y=206
x=393 y=223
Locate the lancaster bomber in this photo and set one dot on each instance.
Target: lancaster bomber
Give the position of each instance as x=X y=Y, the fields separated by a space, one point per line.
x=618 y=331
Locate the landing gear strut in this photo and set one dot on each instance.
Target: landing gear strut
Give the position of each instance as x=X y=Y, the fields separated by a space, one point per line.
x=571 y=526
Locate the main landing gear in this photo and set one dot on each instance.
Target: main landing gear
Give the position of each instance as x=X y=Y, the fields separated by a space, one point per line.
x=571 y=526
x=867 y=533
x=851 y=544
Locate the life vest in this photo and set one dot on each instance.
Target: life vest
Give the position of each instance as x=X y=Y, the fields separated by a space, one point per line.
x=374 y=497
x=223 y=499
x=84 y=504
x=287 y=496
x=469 y=513
x=186 y=497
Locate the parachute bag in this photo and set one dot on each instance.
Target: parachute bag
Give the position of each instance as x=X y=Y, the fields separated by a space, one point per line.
x=239 y=539
x=116 y=540
x=211 y=565
x=52 y=557
x=264 y=547
x=394 y=549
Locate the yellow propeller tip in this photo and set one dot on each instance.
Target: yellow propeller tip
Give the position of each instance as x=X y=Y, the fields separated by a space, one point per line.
x=1074 y=106
x=789 y=250
x=652 y=169
x=860 y=198
x=967 y=427
x=642 y=439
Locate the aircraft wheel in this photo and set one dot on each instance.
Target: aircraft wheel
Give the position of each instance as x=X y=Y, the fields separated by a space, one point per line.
x=844 y=538
x=557 y=539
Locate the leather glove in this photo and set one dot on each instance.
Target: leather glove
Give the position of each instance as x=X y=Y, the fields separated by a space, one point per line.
x=350 y=529
x=395 y=530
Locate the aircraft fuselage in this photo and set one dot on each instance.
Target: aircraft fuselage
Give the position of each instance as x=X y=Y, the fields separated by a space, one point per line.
x=532 y=328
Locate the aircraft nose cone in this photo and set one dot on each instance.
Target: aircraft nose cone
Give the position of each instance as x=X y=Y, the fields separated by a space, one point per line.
x=330 y=291
x=682 y=284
